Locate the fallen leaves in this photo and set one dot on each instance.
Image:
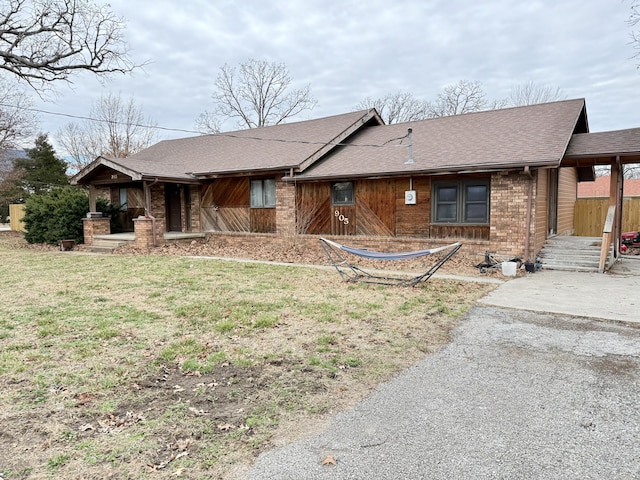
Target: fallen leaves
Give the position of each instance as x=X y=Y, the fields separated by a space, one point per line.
x=329 y=460
x=178 y=449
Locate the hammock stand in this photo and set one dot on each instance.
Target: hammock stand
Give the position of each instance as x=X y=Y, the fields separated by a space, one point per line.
x=352 y=273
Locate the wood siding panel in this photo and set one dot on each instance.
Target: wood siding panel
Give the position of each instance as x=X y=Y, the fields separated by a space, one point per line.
x=314 y=208
x=413 y=220
x=343 y=220
x=262 y=220
x=105 y=175
x=135 y=198
x=541 y=219
x=226 y=192
x=590 y=214
x=229 y=219
x=369 y=223
x=461 y=232
x=567 y=193
x=375 y=208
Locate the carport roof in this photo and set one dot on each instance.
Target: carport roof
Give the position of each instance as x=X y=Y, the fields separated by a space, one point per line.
x=601 y=147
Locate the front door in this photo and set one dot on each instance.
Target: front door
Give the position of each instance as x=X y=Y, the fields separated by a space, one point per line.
x=553 y=201
x=174 y=207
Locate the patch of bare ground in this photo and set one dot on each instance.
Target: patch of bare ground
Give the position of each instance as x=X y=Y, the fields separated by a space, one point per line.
x=135 y=366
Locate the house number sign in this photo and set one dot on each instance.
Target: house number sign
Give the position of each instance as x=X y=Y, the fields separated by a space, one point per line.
x=341 y=217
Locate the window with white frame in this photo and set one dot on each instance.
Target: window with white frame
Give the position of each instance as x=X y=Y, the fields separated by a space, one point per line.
x=263 y=193
x=342 y=193
x=462 y=201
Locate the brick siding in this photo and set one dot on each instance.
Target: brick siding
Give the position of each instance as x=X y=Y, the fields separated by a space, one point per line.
x=509 y=193
x=285 y=209
x=95 y=226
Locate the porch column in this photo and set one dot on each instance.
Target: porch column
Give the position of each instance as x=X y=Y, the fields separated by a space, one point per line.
x=613 y=224
x=93 y=195
x=95 y=226
x=144 y=232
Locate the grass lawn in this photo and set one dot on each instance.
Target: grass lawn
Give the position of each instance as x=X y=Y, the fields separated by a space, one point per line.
x=122 y=367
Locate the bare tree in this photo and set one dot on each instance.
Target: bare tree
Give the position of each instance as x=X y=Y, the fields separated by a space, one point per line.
x=43 y=41
x=531 y=93
x=17 y=121
x=116 y=128
x=634 y=20
x=463 y=97
x=207 y=122
x=397 y=107
x=258 y=95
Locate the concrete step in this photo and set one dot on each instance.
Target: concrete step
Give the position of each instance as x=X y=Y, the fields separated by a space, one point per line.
x=570 y=268
x=109 y=243
x=106 y=245
x=577 y=254
x=101 y=249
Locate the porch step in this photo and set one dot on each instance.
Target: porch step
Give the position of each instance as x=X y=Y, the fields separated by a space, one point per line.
x=567 y=253
x=102 y=245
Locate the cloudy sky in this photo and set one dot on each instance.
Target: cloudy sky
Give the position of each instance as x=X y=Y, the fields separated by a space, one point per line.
x=347 y=50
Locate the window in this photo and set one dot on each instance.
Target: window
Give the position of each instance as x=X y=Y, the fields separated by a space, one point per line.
x=342 y=193
x=123 y=199
x=465 y=201
x=263 y=193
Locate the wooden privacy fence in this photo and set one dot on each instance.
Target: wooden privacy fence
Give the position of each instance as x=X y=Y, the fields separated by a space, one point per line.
x=16 y=212
x=590 y=214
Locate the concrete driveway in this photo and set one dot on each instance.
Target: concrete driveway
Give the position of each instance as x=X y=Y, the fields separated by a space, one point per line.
x=612 y=296
x=517 y=394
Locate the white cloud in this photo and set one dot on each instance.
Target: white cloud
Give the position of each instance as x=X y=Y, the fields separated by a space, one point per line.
x=348 y=50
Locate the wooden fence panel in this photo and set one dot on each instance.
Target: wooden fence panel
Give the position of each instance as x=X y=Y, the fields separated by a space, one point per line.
x=590 y=215
x=16 y=212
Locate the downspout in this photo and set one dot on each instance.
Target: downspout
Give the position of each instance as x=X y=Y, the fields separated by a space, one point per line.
x=147 y=213
x=527 y=235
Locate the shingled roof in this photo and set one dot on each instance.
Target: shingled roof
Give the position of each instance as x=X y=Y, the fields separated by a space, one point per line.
x=604 y=145
x=280 y=147
x=535 y=135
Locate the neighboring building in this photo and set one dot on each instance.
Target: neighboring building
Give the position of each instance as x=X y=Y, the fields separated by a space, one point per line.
x=497 y=180
x=600 y=187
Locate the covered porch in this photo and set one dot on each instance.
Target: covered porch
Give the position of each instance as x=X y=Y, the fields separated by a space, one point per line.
x=615 y=149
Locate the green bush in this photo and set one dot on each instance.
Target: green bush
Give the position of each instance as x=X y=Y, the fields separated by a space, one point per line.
x=56 y=215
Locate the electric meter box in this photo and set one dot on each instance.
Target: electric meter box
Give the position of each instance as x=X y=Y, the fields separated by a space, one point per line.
x=410 y=197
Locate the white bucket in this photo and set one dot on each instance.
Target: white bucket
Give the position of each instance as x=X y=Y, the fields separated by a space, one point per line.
x=509 y=269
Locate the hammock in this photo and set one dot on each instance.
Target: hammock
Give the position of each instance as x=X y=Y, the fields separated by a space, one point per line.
x=352 y=273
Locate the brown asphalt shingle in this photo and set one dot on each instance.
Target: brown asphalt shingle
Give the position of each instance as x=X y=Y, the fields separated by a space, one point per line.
x=276 y=147
x=603 y=144
x=534 y=135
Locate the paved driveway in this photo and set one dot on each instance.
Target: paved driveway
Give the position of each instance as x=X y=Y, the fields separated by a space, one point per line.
x=516 y=395
x=612 y=296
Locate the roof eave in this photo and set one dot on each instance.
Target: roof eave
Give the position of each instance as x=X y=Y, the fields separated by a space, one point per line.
x=444 y=170
x=104 y=162
x=371 y=114
x=244 y=172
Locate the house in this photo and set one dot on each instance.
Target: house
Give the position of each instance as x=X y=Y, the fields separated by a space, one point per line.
x=498 y=180
x=593 y=203
x=600 y=187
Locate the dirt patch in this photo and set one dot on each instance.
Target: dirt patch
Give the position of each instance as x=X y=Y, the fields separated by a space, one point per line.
x=177 y=368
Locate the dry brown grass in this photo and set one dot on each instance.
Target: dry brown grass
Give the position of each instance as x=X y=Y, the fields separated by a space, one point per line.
x=121 y=366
